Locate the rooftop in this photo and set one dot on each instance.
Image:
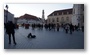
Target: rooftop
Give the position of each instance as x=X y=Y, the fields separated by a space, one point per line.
x=64 y=11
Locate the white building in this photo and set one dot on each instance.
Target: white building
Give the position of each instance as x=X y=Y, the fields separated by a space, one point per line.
x=78 y=15
x=28 y=19
x=8 y=16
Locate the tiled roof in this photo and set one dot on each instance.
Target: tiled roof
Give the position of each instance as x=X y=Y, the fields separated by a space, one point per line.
x=28 y=16
x=60 y=12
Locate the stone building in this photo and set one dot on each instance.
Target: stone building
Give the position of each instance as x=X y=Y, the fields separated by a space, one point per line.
x=78 y=15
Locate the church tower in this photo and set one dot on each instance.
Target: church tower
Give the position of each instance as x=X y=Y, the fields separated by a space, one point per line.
x=78 y=15
x=43 y=18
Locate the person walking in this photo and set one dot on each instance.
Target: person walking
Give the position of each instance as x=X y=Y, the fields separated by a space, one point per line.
x=10 y=31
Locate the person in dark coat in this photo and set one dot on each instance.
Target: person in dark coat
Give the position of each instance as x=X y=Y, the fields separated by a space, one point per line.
x=71 y=28
x=10 y=31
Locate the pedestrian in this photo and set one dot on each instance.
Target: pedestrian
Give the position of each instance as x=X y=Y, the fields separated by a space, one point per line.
x=54 y=27
x=57 y=27
x=66 y=28
x=71 y=28
x=10 y=31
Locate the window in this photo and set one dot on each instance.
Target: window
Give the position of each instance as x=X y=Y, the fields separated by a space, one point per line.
x=78 y=18
x=67 y=18
x=57 y=20
x=60 y=13
x=62 y=19
x=55 y=14
x=52 y=20
x=64 y=13
x=67 y=13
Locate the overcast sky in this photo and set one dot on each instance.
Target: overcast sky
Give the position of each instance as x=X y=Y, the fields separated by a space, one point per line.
x=36 y=9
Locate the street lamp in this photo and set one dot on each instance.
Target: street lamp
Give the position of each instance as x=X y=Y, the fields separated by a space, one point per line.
x=6 y=13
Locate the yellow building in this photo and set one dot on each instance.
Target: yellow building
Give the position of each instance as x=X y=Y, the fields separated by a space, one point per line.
x=60 y=16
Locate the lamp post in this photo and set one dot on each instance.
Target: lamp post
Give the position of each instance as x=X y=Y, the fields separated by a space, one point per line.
x=6 y=13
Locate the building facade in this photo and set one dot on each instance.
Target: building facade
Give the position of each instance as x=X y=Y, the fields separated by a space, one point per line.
x=60 y=16
x=74 y=15
x=78 y=15
x=8 y=16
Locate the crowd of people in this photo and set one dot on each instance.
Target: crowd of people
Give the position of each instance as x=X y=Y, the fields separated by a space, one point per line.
x=68 y=28
x=56 y=27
